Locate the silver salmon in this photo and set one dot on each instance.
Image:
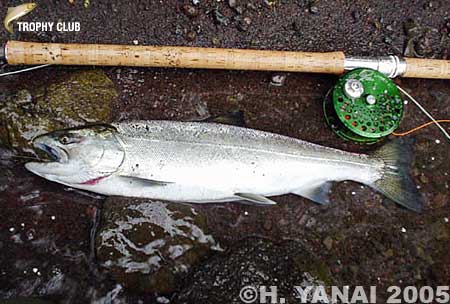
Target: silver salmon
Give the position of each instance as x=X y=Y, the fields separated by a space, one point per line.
x=206 y=162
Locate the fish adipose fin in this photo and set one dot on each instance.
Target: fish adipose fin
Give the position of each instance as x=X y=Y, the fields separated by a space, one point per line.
x=318 y=192
x=396 y=181
x=255 y=198
x=143 y=182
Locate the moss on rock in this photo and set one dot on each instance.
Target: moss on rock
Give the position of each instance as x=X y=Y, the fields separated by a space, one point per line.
x=84 y=97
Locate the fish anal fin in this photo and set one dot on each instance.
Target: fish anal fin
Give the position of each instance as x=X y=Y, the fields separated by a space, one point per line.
x=144 y=182
x=256 y=199
x=317 y=192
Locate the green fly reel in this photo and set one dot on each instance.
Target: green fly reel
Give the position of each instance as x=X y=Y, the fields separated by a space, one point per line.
x=364 y=106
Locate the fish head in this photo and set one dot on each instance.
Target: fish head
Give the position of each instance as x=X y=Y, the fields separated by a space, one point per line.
x=82 y=155
x=30 y=6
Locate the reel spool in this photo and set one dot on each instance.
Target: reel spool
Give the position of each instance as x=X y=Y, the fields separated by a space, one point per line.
x=364 y=106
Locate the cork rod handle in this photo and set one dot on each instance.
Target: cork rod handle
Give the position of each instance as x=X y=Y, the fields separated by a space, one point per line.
x=18 y=52
x=427 y=68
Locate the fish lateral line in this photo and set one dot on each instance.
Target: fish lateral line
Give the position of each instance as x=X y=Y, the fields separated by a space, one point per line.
x=320 y=159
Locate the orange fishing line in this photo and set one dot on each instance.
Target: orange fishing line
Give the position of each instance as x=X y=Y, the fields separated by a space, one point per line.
x=420 y=127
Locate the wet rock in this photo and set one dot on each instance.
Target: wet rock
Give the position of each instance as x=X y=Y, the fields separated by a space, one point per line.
x=239 y=10
x=190 y=11
x=313 y=9
x=424 y=179
x=220 y=18
x=328 y=242
x=389 y=253
x=440 y=200
x=252 y=7
x=356 y=15
x=278 y=80
x=232 y=3
x=191 y=35
x=82 y=98
x=255 y=262
x=244 y=24
x=149 y=245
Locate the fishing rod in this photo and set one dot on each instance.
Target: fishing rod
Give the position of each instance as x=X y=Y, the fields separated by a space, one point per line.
x=365 y=105
x=36 y=53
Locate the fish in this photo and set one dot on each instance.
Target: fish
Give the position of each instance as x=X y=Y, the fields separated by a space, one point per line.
x=203 y=162
x=15 y=13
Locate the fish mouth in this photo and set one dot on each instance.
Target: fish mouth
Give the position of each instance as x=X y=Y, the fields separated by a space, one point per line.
x=56 y=154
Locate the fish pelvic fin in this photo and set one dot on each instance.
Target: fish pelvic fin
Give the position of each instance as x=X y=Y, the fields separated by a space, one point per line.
x=255 y=199
x=317 y=192
x=396 y=181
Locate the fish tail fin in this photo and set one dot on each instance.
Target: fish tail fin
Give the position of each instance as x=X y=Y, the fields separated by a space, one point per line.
x=396 y=181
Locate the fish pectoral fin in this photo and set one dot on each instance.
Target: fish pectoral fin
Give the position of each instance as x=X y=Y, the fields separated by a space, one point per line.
x=318 y=192
x=256 y=198
x=144 y=182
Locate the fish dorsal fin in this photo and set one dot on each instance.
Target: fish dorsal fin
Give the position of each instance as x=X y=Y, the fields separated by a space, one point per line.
x=256 y=198
x=143 y=182
x=235 y=118
x=317 y=192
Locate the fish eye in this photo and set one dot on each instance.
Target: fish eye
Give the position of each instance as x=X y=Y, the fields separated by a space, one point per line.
x=64 y=139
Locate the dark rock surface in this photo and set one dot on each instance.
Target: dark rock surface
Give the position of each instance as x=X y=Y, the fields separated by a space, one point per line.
x=256 y=263
x=45 y=240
